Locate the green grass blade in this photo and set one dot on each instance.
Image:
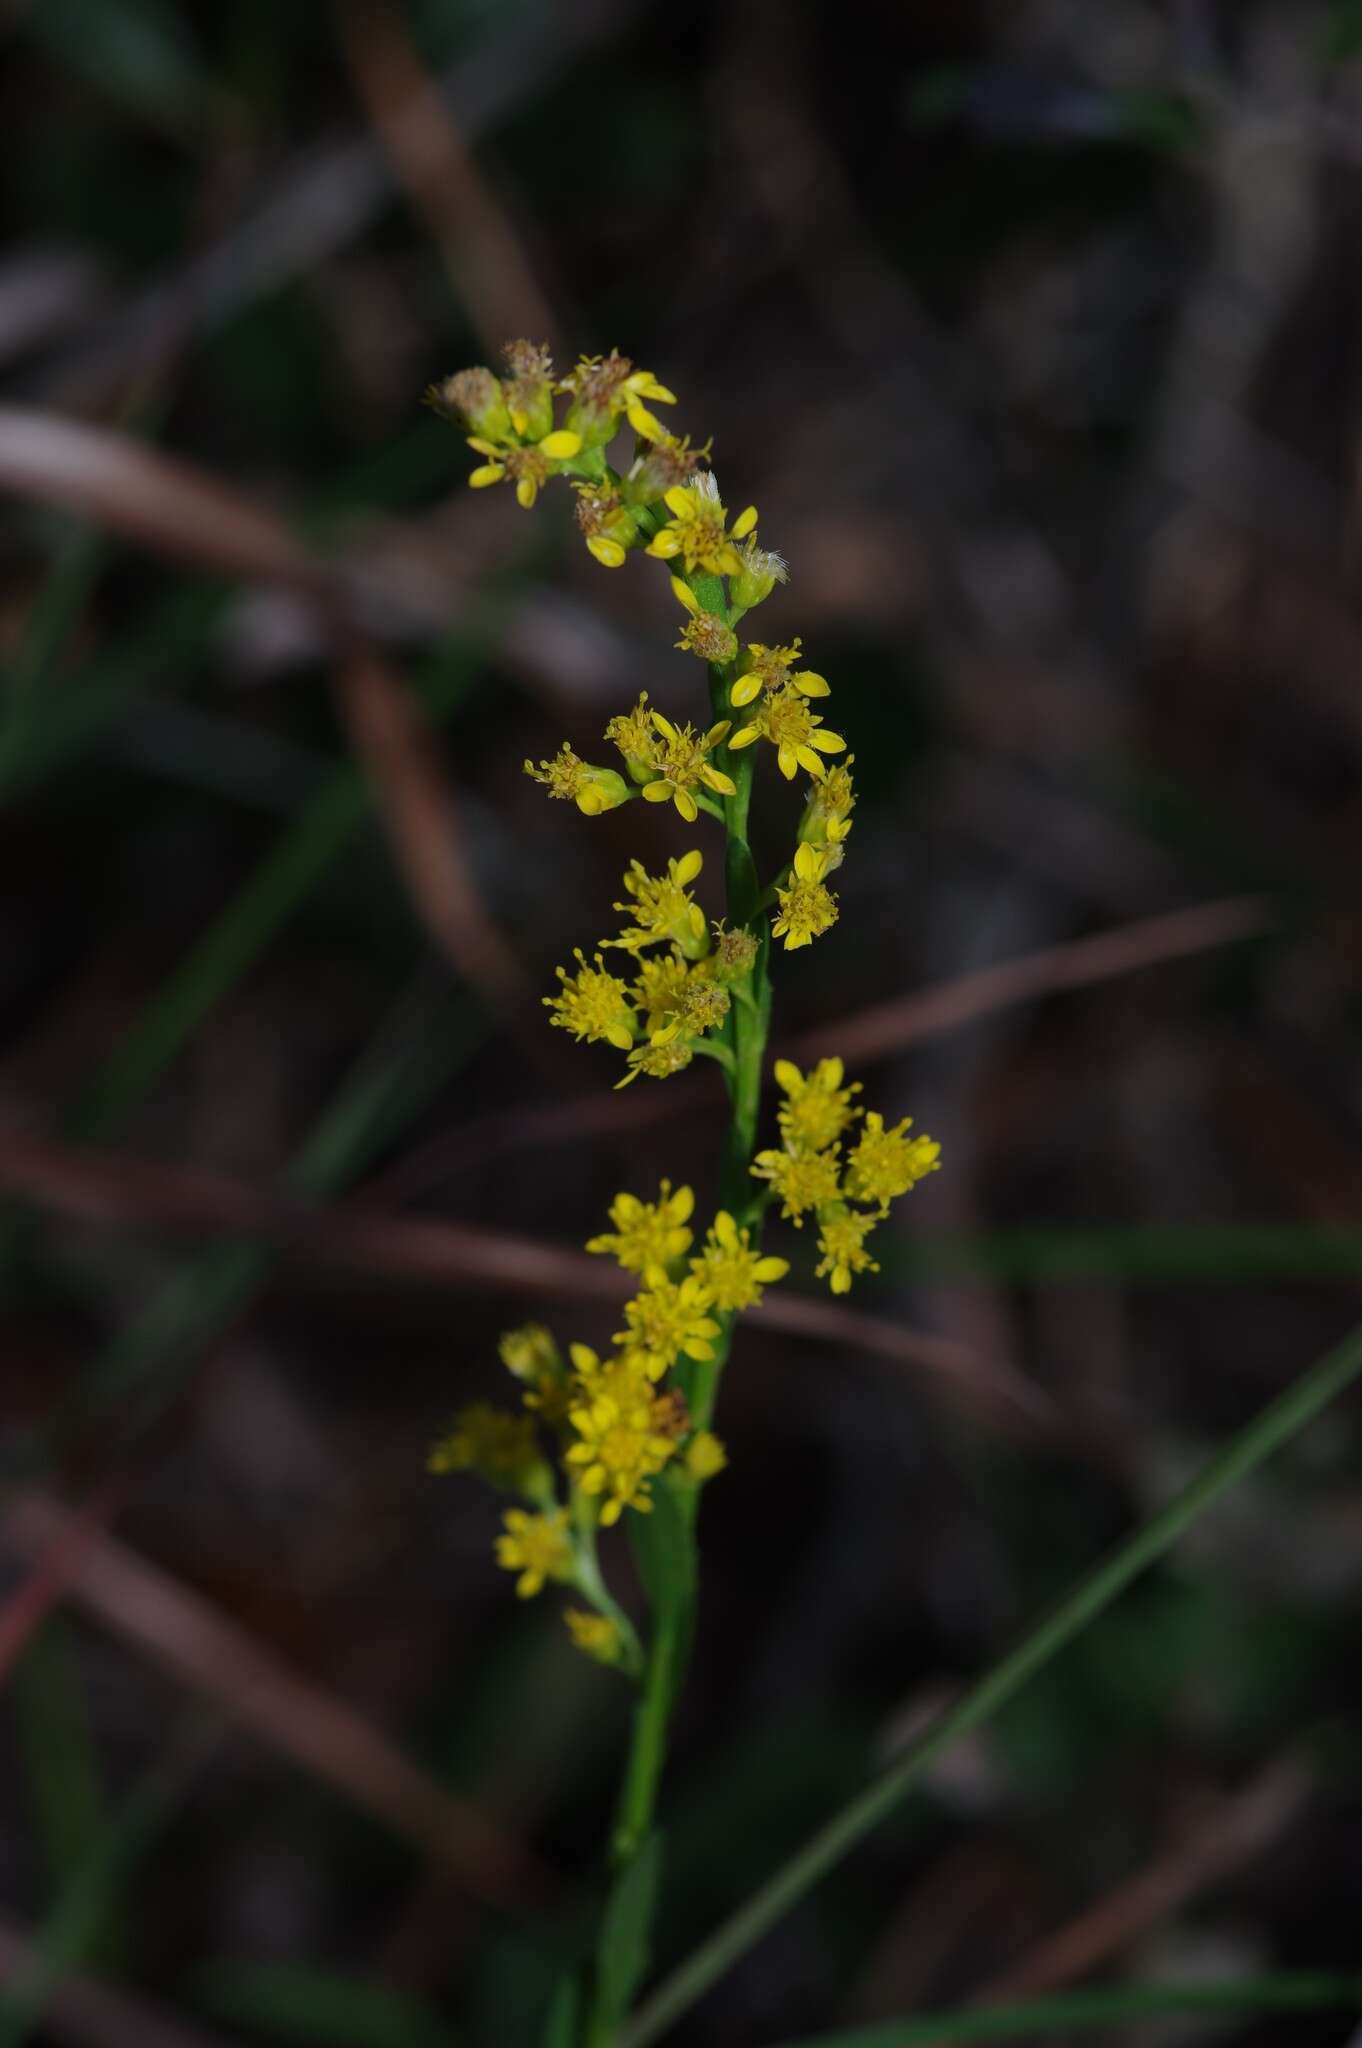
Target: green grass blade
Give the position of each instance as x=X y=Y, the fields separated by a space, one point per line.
x=60 y=1767
x=62 y=1943
x=625 y=1936
x=1155 y=1253
x=1285 y=1993
x=287 y=2002
x=1271 y=1428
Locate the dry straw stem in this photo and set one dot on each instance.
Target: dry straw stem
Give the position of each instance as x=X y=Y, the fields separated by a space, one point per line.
x=245 y=1678
x=875 y=1033
x=120 y=1189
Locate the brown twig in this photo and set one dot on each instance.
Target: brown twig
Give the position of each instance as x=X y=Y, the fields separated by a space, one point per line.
x=211 y=1652
x=866 y=1035
x=423 y=819
x=415 y=122
x=121 y=1188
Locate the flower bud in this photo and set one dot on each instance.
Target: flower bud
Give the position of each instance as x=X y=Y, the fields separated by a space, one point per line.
x=474 y=400
x=529 y=389
x=761 y=570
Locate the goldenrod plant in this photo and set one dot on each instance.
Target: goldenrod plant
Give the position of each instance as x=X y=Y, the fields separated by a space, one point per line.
x=626 y=1434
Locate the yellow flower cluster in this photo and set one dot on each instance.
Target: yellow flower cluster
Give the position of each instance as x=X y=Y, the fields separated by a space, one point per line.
x=616 y=1421
x=849 y=1192
x=530 y=425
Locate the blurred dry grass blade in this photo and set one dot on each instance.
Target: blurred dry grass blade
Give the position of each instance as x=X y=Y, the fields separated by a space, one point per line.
x=50 y=1575
x=327 y=195
x=250 y=1681
x=85 y=2013
x=120 y=1189
x=416 y=123
x=906 y=1020
x=397 y=747
x=875 y=1033
x=1235 y=1832
x=169 y=504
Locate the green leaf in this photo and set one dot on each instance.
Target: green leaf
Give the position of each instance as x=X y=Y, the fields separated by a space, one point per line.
x=563 y=2021
x=664 y=1550
x=625 y=1934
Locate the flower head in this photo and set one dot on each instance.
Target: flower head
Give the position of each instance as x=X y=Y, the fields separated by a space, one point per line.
x=698 y=530
x=604 y=387
x=681 y=765
x=735 y=951
x=667 y=1320
x=663 y=908
x=660 y=465
x=806 y=909
x=796 y=732
x=647 y=1236
x=619 y=1449
x=817 y=1108
x=571 y=779
x=593 y=1004
x=802 y=1180
x=606 y=523
x=827 y=815
x=772 y=669
x=761 y=570
x=842 y=1233
x=537 y=1546
x=635 y=736
x=730 y=1271
x=661 y=1058
x=496 y=1444
x=886 y=1164
x=595 y=1635
x=705 y=1456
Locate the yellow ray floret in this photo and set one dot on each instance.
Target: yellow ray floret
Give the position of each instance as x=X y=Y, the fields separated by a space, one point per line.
x=667 y=1321
x=593 y=1004
x=842 y=1233
x=770 y=669
x=797 y=733
x=698 y=531
x=663 y=908
x=537 y=1546
x=647 y=1236
x=803 y=1181
x=817 y=1108
x=805 y=907
x=681 y=765
x=886 y=1164
x=730 y=1271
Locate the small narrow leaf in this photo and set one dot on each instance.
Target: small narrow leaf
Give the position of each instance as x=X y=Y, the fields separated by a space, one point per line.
x=625 y=1934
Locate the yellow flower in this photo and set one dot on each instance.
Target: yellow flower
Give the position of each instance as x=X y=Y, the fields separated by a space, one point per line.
x=666 y=1320
x=529 y=466
x=885 y=1164
x=705 y=1456
x=593 y=1004
x=827 y=815
x=620 y=1450
x=734 y=953
x=603 y=387
x=794 y=731
x=568 y=778
x=842 y=1233
x=665 y=910
x=697 y=532
x=660 y=991
x=770 y=669
x=661 y=1058
x=762 y=568
x=817 y=1108
x=806 y=908
x=496 y=1444
x=703 y=1002
x=536 y=1546
x=731 y=1273
x=529 y=1352
x=632 y=732
x=661 y=464
x=681 y=765
x=606 y=523
x=596 y=1635
x=802 y=1180
x=648 y=1235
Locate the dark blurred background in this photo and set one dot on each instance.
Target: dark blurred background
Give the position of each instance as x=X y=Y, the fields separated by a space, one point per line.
x=1033 y=329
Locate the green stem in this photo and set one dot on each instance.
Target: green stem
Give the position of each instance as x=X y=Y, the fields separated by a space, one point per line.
x=1271 y=1428
x=749 y=1021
